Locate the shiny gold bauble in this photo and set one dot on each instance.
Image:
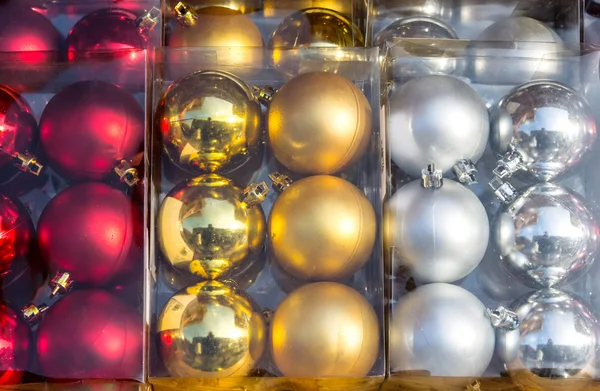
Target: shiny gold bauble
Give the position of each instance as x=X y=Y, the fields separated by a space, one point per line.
x=322 y=228
x=319 y=123
x=211 y=330
x=324 y=329
x=204 y=227
x=275 y=7
x=210 y=121
x=242 y=6
x=233 y=36
x=310 y=28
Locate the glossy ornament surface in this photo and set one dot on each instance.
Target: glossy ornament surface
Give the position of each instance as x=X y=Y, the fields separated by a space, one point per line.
x=89 y=127
x=436 y=119
x=322 y=228
x=29 y=44
x=441 y=328
x=324 y=329
x=207 y=227
x=310 y=28
x=547 y=237
x=14 y=347
x=211 y=330
x=557 y=337
x=93 y=232
x=548 y=125
x=528 y=57
x=439 y=234
x=16 y=232
x=277 y=7
x=18 y=128
x=421 y=26
x=91 y=334
x=319 y=123
x=210 y=121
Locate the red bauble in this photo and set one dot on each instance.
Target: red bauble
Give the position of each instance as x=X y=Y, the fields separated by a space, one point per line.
x=91 y=335
x=28 y=44
x=14 y=347
x=18 y=129
x=89 y=127
x=15 y=233
x=92 y=231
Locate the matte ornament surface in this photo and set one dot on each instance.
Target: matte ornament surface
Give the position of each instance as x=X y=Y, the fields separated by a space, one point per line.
x=206 y=230
x=441 y=234
x=211 y=330
x=319 y=123
x=210 y=121
x=547 y=237
x=16 y=231
x=89 y=127
x=18 y=128
x=436 y=119
x=324 y=329
x=322 y=228
x=441 y=328
x=14 y=347
x=91 y=334
x=549 y=125
x=557 y=337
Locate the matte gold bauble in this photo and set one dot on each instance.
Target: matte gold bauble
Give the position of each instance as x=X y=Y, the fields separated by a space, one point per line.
x=322 y=228
x=311 y=28
x=324 y=329
x=234 y=37
x=319 y=123
x=211 y=330
x=274 y=7
x=210 y=121
x=210 y=228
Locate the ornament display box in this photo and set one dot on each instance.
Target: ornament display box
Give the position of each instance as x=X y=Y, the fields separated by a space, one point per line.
x=234 y=299
x=493 y=281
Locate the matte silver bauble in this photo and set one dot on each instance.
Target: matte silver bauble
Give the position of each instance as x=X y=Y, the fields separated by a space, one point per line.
x=441 y=328
x=546 y=237
x=436 y=119
x=440 y=234
x=527 y=57
x=549 y=126
x=556 y=337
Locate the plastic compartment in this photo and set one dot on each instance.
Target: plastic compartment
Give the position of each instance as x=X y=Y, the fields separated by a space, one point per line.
x=184 y=251
x=525 y=247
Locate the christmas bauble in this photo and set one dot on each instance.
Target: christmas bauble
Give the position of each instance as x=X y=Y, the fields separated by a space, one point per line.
x=340 y=123
x=211 y=330
x=14 y=347
x=547 y=237
x=273 y=8
x=91 y=231
x=436 y=119
x=549 y=125
x=89 y=335
x=440 y=234
x=415 y=27
x=209 y=227
x=89 y=127
x=527 y=57
x=243 y=6
x=234 y=37
x=310 y=28
x=29 y=44
x=16 y=232
x=325 y=329
x=18 y=128
x=210 y=121
x=441 y=328
x=322 y=228
x=557 y=337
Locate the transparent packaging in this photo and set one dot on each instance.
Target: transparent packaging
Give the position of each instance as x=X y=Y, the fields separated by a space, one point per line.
x=491 y=215
x=244 y=249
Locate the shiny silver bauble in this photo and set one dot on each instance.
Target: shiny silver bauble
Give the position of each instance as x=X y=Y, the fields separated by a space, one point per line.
x=524 y=57
x=549 y=124
x=556 y=338
x=415 y=27
x=436 y=119
x=441 y=328
x=547 y=237
x=440 y=234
